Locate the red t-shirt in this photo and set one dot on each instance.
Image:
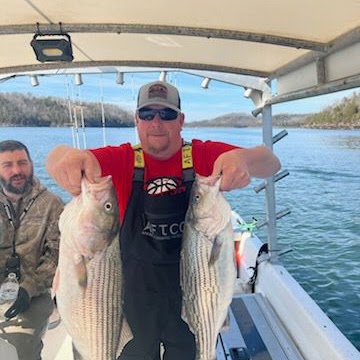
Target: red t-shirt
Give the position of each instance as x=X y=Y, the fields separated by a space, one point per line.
x=118 y=161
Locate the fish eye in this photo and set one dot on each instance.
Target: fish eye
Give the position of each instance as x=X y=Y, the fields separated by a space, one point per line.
x=108 y=206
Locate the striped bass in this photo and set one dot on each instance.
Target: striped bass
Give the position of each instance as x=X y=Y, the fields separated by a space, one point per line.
x=88 y=281
x=207 y=264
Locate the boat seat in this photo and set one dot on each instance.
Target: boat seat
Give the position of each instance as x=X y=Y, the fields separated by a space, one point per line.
x=255 y=333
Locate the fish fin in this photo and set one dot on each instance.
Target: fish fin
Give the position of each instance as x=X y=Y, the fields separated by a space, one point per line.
x=76 y=353
x=185 y=319
x=80 y=270
x=125 y=335
x=56 y=282
x=226 y=324
x=215 y=181
x=215 y=251
x=183 y=314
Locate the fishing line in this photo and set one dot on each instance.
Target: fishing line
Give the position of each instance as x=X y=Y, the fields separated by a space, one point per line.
x=102 y=110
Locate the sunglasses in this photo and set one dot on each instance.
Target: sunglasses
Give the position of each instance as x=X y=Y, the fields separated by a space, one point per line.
x=166 y=114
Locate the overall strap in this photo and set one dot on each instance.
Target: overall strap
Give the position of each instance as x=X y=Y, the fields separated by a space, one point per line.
x=186 y=156
x=187 y=162
x=139 y=163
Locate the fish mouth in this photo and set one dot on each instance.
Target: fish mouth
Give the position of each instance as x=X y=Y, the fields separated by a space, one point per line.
x=91 y=228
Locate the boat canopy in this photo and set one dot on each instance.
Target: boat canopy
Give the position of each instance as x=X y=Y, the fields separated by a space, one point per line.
x=305 y=47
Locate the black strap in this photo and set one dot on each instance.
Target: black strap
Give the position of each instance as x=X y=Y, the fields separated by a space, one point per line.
x=263 y=249
x=16 y=220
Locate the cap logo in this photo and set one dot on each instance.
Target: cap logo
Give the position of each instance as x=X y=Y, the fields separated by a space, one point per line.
x=158 y=91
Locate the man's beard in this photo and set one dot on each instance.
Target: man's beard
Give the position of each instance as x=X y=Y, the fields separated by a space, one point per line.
x=18 y=190
x=157 y=148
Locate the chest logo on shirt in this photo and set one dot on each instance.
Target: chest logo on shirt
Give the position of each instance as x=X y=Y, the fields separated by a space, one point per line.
x=161 y=185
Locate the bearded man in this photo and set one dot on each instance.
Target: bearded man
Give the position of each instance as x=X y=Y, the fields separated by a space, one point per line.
x=29 y=245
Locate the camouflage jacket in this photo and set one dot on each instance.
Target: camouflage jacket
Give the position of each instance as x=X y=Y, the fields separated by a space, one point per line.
x=36 y=238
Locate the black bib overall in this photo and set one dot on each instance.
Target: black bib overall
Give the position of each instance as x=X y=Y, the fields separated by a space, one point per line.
x=150 y=239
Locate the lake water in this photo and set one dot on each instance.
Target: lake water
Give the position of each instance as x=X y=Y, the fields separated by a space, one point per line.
x=322 y=192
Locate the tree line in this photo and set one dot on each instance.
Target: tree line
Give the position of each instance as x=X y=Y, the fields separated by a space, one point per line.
x=344 y=114
x=17 y=109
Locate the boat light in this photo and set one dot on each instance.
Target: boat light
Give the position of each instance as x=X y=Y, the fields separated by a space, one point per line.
x=248 y=92
x=254 y=95
x=34 y=80
x=52 y=47
x=120 y=78
x=78 y=79
x=205 y=83
x=162 y=76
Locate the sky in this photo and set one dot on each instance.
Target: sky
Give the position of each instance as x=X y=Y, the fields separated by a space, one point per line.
x=197 y=103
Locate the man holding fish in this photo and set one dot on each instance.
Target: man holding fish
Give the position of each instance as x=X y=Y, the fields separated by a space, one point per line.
x=153 y=183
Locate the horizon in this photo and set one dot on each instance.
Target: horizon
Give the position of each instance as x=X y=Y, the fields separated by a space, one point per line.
x=197 y=103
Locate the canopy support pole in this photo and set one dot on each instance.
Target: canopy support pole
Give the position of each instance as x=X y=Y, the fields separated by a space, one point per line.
x=270 y=187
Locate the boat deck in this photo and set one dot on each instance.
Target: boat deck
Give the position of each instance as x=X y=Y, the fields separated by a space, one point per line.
x=255 y=333
x=57 y=344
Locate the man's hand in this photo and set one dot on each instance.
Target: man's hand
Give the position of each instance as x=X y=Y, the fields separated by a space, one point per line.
x=68 y=165
x=239 y=165
x=21 y=304
x=233 y=170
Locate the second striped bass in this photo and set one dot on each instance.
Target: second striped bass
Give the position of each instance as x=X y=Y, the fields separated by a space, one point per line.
x=88 y=282
x=207 y=264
